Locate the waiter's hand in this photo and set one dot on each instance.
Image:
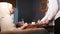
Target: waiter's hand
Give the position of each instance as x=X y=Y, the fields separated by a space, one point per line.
x=42 y=22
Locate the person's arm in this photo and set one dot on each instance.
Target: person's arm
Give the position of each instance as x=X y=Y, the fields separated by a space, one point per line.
x=22 y=27
x=52 y=10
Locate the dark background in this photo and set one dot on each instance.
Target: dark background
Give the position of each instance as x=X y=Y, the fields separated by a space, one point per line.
x=29 y=10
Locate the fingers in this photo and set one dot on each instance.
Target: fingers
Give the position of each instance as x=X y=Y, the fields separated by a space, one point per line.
x=24 y=25
x=47 y=21
x=43 y=22
x=40 y=22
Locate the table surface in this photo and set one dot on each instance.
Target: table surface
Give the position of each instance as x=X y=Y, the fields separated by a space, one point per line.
x=22 y=31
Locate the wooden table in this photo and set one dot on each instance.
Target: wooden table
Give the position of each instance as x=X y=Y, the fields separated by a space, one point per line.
x=27 y=31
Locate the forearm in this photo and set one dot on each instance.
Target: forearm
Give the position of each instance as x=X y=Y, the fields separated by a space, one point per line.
x=52 y=10
x=23 y=26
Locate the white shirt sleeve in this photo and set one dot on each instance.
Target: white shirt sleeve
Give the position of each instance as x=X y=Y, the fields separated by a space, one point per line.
x=52 y=10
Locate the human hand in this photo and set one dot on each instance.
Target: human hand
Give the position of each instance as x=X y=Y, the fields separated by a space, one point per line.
x=11 y=11
x=42 y=22
x=24 y=25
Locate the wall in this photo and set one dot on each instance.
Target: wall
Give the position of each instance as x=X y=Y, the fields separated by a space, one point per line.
x=29 y=10
x=36 y=9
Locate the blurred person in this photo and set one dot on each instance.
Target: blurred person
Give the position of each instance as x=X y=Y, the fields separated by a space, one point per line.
x=6 y=21
x=52 y=12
